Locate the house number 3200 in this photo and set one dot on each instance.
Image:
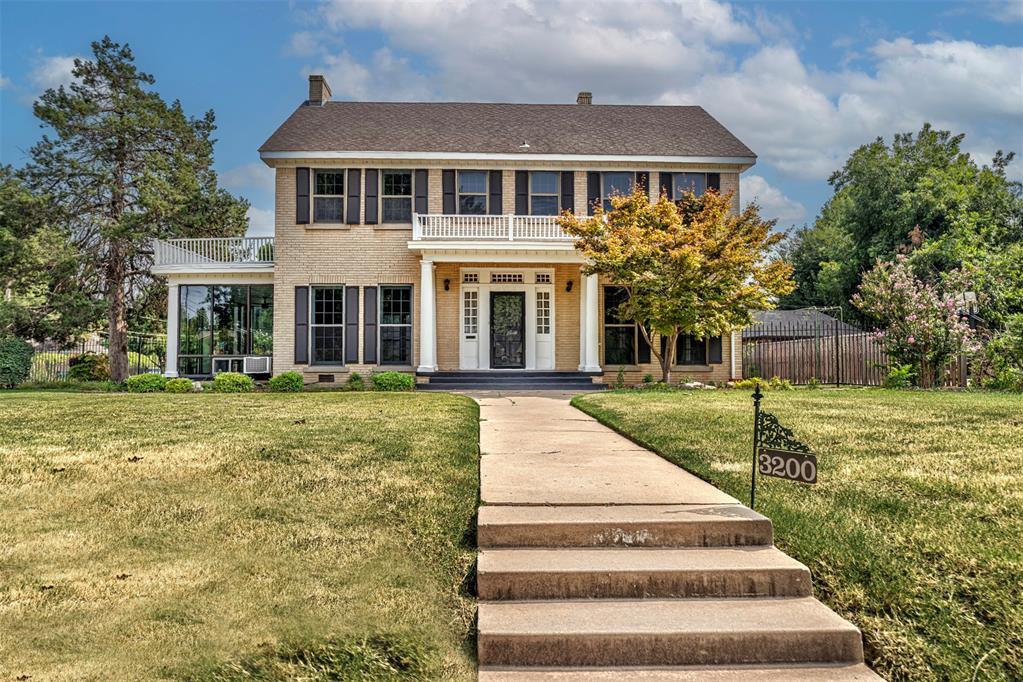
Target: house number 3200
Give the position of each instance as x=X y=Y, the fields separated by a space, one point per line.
x=794 y=466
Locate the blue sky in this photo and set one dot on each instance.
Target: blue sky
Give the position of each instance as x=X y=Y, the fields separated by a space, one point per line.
x=802 y=83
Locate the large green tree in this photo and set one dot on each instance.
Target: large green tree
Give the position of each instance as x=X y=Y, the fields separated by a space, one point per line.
x=122 y=168
x=963 y=215
x=688 y=267
x=41 y=292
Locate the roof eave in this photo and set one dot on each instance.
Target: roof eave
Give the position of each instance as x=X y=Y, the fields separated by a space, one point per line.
x=268 y=156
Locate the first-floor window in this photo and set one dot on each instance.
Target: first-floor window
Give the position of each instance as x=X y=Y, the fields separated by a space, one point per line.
x=395 y=325
x=543 y=312
x=691 y=350
x=226 y=322
x=623 y=341
x=396 y=197
x=470 y=312
x=328 y=325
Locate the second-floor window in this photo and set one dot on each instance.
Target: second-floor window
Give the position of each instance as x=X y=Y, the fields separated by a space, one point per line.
x=543 y=192
x=396 y=197
x=472 y=192
x=688 y=182
x=328 y=196
x=615 y=184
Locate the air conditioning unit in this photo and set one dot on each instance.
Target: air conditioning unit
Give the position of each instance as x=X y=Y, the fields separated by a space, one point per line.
x=221 y=365
x=256 y=365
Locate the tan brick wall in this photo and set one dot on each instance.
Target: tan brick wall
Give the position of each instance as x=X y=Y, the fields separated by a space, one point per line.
x=365 y=255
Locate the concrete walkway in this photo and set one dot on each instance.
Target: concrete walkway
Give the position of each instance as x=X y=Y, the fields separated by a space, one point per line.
x=601 y=560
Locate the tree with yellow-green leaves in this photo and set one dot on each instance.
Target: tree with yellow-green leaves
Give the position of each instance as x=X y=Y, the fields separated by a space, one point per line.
x=689 y=266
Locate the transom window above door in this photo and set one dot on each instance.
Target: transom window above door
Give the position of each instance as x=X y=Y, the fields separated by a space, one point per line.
x=396 y=196
x=615 y=184
x=472 y=192
x=543 y=192
x=328 y=196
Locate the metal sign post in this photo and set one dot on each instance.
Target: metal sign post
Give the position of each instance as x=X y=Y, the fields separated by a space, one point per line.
x=777 y=452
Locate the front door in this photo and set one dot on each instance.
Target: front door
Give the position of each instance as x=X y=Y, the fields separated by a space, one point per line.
x=507 y=329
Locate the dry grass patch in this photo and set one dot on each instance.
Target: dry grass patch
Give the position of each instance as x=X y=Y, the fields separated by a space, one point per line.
x=261 y=536
x=915 y=528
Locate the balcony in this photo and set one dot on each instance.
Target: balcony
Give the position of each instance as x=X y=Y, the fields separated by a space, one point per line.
x=223 y=254
x=490 y=228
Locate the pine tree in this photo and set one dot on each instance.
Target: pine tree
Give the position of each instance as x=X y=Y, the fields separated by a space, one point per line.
x=123 y=168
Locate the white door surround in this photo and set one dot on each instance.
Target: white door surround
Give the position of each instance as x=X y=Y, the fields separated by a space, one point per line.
x=476 y=285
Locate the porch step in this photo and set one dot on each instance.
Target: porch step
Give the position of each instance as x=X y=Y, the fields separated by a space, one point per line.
x=613 y=573
x=507 y=386
x=836 y=672
x=511 y=381
x=690 y=525
x=664 y=632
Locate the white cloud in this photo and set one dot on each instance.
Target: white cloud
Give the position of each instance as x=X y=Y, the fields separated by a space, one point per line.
x=4 y=82
x=250 y=176
x=1005 y=11
x=800 y=119
x=261 y=222
x=303 y=44
x=772 y=201
x=52 y=72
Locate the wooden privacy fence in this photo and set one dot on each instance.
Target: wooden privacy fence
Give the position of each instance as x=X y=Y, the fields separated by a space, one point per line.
x=849 y=357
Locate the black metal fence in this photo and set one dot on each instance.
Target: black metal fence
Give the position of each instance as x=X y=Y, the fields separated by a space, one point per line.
x=812 y=347
x=51 y=361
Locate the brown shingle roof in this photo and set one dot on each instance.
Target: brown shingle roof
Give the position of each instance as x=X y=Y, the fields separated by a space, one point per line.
x=606 y=129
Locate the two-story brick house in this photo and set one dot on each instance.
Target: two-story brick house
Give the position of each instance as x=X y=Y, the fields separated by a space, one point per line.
x=422 y=237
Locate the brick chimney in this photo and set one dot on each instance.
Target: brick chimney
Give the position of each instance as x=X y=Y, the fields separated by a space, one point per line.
x=584 y=98
x=319 y=90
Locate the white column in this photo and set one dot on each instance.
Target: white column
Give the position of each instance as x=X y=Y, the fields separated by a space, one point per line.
x=427 y=319
x=171 y=369
x=582 y=320
x=592 y=327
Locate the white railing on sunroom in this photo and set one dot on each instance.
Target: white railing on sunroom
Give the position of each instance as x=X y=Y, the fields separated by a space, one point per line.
x=487 y=227
x=214 y=250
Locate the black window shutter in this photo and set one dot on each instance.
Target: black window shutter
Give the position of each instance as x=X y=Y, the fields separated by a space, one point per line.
x=496 y=206
x=302 y=196
x=448 y=191
x=592 y=191
x=301 y=325
x=422 y=191
x=369 y=325
x=354 y=183
x=643 y=180
x=351 y=324
x=521 y=192
x=714 y=181
x=372 y=182
x=642 y=349
x=568 y=191
x=714 y=350
x=667 y=186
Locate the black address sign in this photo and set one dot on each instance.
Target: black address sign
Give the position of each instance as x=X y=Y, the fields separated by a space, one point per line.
x=794 y=466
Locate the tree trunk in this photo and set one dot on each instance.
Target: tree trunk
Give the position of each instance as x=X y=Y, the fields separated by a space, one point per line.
x=117 y=326
x=668 y=358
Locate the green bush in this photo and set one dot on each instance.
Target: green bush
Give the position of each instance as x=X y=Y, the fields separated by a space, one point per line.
x=899 y=376
x=620 y=378
x=146 y=383
x=648 y=378
x=232 y=382
x=814 y=382
x=89 y=367
x=393 y=381
x=179 y=385
x=355 y=382
x=15 y=362
x=287 y=382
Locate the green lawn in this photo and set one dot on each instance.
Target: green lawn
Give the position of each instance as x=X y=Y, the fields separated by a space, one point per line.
x=260 y=536
x=915 y=528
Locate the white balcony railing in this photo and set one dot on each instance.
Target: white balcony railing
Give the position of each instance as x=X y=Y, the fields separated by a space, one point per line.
x=214 y=251
x=487 y=227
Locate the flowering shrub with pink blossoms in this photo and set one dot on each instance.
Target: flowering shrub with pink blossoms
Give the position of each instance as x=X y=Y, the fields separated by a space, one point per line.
x=919 y=324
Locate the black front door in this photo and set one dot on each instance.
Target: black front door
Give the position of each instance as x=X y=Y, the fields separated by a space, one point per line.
x=507 y=329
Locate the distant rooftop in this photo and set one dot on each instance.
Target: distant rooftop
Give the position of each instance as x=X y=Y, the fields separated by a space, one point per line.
x=795 y=324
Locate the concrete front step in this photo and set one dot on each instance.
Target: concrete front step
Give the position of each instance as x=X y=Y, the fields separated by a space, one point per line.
x=842 y=672
x=654 y=525
x=570 y=386
x=650 y=632
x=612 y=573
